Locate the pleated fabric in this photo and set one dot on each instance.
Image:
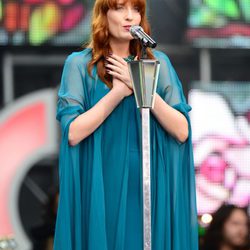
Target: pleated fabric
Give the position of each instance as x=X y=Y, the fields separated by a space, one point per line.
x=100 y=201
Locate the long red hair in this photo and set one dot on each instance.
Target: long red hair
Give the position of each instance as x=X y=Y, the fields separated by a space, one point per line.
x=99 y=41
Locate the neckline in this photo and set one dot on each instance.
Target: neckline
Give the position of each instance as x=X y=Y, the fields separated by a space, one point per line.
x=129 y=58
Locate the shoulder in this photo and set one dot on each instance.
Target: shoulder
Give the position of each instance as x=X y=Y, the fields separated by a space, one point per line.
x=162 y=57
x=79 y=58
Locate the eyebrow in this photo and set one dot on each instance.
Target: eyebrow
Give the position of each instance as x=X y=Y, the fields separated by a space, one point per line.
x=120 y=3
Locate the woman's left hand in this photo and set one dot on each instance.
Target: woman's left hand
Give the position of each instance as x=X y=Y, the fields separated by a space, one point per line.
x=118 y=68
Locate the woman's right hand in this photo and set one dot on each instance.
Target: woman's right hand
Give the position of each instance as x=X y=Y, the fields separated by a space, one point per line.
x=121 y=87
x=117 y=67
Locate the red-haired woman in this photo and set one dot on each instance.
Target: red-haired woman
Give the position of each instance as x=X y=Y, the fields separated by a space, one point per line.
x=100 y=204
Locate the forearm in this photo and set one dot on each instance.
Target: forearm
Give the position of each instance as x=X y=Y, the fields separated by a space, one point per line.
x=173 y=121
x=86 y=123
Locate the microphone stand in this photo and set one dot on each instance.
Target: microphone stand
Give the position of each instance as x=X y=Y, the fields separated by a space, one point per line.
x=144 y=74
x=144 y=50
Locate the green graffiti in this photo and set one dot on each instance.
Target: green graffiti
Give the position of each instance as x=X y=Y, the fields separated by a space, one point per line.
x=228 y=8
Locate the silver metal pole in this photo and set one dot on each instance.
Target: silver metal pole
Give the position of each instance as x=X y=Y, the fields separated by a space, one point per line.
x=8 y=81
x=145 y=112
x=144 y=75
x=205 y=67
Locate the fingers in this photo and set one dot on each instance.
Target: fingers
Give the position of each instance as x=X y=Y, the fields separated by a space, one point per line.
x=119 y=76
x=116 y=60
x=117 y=71
x=123 y=79
x=118 y=67
x=115 y=65
x=113 y=68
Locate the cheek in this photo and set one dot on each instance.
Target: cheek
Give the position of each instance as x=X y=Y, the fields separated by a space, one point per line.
x=229 y=231
x=111 y=25
x=112 y=21
x=138 y=19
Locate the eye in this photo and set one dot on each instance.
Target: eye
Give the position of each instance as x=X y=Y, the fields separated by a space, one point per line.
x=119 y=7
x=136 y=8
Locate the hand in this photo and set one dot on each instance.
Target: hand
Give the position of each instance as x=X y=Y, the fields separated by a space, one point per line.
x=118 y=68
x=121 y=87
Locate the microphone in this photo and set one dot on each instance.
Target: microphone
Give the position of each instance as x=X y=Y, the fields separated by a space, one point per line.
x=138 y=33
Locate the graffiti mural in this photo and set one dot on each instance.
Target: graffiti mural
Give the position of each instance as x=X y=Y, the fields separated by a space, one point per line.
x=38 y=22
x=221 y=138
x=219 y=23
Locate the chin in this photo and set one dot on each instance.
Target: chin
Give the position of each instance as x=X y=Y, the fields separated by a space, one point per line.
x=126 y=39
x=239 y=244
x=127 y=36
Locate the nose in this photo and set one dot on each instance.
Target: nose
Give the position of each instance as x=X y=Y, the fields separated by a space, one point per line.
x=129 y=14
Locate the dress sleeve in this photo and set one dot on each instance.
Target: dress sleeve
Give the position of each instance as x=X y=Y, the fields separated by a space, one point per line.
x=71 y=98
x=169 y=86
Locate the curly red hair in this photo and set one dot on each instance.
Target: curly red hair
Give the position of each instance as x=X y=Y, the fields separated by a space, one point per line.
x=99 y=41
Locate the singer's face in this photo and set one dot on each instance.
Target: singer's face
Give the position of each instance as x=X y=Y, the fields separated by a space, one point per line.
x=121 y=19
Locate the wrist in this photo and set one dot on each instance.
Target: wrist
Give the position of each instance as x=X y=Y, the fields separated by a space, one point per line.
x=118 y=93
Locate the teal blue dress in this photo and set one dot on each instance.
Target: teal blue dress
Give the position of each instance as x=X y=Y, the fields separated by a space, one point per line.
x=100 y=202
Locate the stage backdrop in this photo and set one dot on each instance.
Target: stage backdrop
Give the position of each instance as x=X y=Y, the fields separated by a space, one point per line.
x=41 y=22
x=219 y=23
x=67 y=22
x=221 y=139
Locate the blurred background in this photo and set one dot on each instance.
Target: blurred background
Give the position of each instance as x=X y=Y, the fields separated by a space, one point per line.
x=208 y=43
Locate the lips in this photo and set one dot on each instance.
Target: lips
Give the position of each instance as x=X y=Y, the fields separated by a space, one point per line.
x=127 y=27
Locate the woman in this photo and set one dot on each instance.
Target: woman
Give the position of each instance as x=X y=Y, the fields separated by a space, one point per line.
x=229 y=229
x=100 y=206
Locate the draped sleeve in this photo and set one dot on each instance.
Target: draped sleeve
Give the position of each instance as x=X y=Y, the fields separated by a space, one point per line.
x=71 y=94
x=169 y=85
x=72 y=101
x=173 y=175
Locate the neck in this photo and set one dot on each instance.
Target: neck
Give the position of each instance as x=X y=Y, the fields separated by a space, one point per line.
x=121 y=49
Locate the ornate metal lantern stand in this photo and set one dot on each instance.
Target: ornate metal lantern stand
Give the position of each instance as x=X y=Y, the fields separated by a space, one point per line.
x=144 y=74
